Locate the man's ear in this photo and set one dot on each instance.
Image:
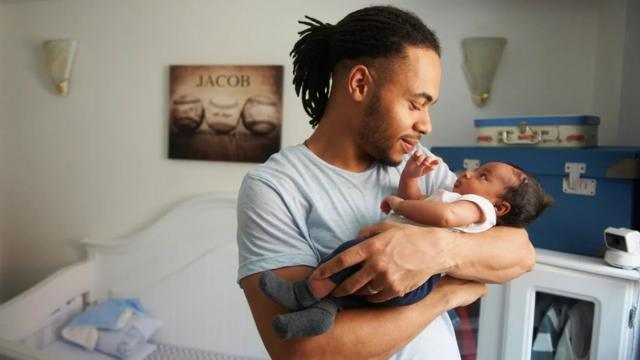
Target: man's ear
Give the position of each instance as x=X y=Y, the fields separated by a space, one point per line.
x=360 y=82
x=502 y=208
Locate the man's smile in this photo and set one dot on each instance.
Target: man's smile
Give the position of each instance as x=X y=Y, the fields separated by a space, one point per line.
x=408 y=144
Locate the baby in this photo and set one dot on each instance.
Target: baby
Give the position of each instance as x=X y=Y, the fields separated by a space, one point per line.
x=496 y=193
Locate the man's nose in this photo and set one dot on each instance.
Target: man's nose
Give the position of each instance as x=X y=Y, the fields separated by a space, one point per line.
x=423 y=125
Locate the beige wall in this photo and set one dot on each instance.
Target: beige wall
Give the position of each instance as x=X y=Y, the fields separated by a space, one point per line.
x=95 y=163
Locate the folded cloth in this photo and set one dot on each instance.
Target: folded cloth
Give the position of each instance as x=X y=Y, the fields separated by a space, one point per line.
x=111 y=314
x=108 y=314
x=126 y=342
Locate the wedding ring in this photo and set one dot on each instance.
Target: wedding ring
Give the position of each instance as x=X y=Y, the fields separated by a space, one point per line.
x=371 y=290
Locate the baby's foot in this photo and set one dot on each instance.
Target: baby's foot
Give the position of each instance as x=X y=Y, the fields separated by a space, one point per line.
x=293 y=296
x=315 y=320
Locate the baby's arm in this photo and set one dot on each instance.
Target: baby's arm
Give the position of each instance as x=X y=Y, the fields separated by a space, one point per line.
x=417 y=166
x=436 y=213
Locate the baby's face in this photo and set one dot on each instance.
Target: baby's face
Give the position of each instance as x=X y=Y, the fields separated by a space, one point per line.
x=490 y=180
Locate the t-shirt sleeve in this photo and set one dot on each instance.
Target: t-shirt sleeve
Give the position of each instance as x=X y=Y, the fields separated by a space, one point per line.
x=487 y=210
x=268 y=236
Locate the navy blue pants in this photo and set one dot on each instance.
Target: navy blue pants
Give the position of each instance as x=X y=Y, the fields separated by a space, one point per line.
x=352 y=301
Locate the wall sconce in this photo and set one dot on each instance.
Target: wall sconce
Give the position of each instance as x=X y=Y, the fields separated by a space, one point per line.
x=59 y=55
x=481 y=58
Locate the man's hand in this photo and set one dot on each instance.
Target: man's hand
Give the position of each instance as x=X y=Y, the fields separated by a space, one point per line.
x=396 y=258
x=365 y=333
x=419 y=164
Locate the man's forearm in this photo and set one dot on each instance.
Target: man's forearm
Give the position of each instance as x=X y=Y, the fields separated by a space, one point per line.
x=378 y=333
x=494 y=256
x=369 y=333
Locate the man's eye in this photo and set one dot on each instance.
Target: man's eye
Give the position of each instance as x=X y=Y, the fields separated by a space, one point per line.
x=414 y=106
x=483 y=177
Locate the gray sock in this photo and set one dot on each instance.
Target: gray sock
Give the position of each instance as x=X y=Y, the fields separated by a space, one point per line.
x=312 y=321
x=293 y=296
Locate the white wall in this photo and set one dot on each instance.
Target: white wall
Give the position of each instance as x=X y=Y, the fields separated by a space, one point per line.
x=609 y=60
x=95 y=163
x=3 y=151
x=543 y=69
x=629 y=129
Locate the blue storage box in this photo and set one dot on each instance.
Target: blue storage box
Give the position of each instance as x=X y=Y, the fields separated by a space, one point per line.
x=593 y=188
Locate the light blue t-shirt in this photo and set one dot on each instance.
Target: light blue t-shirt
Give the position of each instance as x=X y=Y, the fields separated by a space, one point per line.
x=295 y=209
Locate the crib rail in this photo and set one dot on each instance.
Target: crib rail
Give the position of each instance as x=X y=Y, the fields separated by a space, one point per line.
x=23 y=315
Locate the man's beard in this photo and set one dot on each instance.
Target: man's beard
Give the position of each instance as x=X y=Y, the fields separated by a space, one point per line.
x=374 y=134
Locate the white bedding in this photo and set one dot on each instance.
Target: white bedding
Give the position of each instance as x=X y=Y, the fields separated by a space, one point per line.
x=66 y=351
x=174 y=352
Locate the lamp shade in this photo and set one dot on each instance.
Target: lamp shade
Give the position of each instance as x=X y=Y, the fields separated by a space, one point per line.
x=481 y=58
x=59 y=56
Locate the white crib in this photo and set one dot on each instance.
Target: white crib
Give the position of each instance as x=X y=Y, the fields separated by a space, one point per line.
x=182 y=267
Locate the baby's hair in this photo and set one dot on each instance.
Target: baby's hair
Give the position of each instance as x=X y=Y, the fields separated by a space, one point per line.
x=528 y=200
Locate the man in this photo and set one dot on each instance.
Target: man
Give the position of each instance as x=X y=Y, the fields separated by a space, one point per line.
x=368 y=84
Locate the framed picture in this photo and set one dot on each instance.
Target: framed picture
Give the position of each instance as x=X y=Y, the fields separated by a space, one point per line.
x=225 y=112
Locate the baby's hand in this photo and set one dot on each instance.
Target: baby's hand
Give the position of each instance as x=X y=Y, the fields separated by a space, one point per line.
x=390 y=203
x=419 y=164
